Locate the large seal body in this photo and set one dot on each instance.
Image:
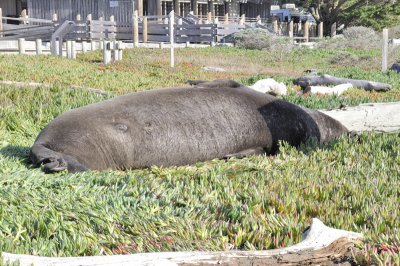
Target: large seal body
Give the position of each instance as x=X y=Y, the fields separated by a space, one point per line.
x=176 y=126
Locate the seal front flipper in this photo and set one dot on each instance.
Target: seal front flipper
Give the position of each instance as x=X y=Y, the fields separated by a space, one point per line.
x=195 y=82
x=53 y=161
x=245 y=153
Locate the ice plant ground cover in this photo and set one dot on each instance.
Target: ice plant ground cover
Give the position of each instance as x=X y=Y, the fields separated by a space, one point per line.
x=259 y=202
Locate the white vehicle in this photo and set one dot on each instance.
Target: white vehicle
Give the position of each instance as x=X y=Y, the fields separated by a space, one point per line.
x=289 y=12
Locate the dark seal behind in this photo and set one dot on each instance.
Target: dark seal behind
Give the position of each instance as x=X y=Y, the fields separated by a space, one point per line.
x=176 y=126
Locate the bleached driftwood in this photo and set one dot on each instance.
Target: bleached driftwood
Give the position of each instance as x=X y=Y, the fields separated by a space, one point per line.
x=378 y=117
x=35 y=85
x=324 y=90
x=321 y=244
x=270 y=86
x=313 y=80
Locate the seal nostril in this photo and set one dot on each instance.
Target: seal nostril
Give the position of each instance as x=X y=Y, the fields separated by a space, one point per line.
x=121 y=127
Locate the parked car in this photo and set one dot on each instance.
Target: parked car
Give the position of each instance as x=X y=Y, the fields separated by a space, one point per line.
x=289 y=12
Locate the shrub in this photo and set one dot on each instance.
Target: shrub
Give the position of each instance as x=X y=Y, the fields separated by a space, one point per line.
x=350 y=59
x=360 y=38
x=259 y=39
x=359 y=33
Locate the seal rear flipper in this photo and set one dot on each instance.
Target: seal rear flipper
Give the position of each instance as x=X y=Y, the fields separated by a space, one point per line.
x=245 y=153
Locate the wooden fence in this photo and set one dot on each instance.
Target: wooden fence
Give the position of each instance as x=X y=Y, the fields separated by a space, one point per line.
x=191 y=29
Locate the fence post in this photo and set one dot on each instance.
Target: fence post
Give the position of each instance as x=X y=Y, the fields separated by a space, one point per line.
x=171 y=37
x=291 y=29
x=385 y=49
x=60 y=47
x=144 y=29
x=89 y=26
x=69 y=49
x=275 y=25
x=258 y=18
x=321 y=30
x=84 y=46
x=106 y=52
x=209 y=16
x=93 y=45
x=120 y=50
x=333 y=30
x=24 y=16
x=195 y=8
x=73 y=49
x=78 y=17
x=38 y=46
x=1 y=22
x=226 y=21
x=114 y=49
x=242 y=19
x=306 y=31
x=113 y=33
x=54 y=18
x=102 y=33
x=135 y=29
x=21 y=46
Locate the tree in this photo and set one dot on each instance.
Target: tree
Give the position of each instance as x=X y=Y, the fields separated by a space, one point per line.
x=373 y=13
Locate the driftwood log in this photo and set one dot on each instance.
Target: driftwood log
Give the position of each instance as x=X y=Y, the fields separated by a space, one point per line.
x=313 y=80
x=320 y=245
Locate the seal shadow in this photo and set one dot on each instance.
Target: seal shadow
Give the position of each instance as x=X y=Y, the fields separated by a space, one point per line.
x=15 y=151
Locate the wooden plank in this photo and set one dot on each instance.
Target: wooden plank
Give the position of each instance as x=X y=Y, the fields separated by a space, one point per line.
x=123 y=24
x=194 y=32
x=28 y=32
x=103 y=23
x=226 y=32
x=99 y=36
x=124 y=36
x=158 y=38
x=157 y=31
x=194 y=39
x=125 y=30
x=158 y=26
x=197 y=26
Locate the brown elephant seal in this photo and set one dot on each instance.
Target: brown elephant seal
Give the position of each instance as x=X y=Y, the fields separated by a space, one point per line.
x=176 y=126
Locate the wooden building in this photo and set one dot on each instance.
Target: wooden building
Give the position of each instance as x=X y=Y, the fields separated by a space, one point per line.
x=122 y=9
x=12 y=8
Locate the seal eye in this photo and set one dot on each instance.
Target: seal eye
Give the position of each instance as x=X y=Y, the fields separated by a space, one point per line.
x=121 y=127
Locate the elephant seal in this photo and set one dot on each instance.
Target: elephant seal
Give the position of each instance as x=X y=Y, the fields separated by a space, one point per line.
x=176 y=126
x=395 y=67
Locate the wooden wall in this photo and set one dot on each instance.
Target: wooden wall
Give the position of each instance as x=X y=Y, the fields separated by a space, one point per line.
x=9 y=7
x=253 y=10
x=68 y=9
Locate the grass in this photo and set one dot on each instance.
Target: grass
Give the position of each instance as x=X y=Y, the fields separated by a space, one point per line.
x=259 y=202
